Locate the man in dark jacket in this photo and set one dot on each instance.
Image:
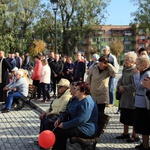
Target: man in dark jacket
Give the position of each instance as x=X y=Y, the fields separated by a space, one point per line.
x=79 y=68
x=4 y=75
x=57 y=69
x=26 y=62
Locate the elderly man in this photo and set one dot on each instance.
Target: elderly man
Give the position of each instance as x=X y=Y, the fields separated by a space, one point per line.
x=19 y=89
x=7 y=88
x=112 y=60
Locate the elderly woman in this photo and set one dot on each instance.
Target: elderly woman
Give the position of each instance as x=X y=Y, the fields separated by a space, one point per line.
x=82 y=121
x=98 y=78
x=142 y=117
x=59 y=105
x=95 y=58
x=126 y=87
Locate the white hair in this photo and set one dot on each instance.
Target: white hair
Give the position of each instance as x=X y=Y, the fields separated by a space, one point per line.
x=132 y=56
x=20 y=72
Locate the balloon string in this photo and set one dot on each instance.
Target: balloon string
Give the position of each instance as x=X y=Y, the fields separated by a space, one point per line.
x=54 y=129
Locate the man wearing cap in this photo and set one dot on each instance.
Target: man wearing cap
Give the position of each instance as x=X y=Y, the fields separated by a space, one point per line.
x=113 y=60
x=8 y=86
x=58 y=105
x=19 y=89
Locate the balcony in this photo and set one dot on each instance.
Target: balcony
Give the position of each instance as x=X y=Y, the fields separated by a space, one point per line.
x=127 y=42
x=117 y=34
x=142 y=41
x=128 y=34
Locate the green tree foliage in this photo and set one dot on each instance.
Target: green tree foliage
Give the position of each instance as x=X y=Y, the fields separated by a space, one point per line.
x=142 y=14
x=74 y=20
x=116 y=48
x=16 y=18
x=22 y=21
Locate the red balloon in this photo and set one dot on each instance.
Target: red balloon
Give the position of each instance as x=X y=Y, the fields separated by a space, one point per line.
x=46 y=139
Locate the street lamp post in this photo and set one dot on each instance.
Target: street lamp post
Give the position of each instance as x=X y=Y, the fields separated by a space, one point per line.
x=55 y=7
x=22 y=24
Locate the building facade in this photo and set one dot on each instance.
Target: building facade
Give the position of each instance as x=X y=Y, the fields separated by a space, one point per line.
x=131 y=38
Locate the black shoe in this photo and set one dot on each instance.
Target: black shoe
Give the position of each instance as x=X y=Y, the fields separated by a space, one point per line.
x=139 y=146
x=36 y=142
x=4 y=103
x=5 y=110
x=123 y=136
x=133 y=139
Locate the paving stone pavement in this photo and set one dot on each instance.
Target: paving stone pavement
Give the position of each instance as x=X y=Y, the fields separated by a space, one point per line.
x=18 y=130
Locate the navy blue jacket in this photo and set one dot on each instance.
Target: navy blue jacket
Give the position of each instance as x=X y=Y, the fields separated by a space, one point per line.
x=84 y=116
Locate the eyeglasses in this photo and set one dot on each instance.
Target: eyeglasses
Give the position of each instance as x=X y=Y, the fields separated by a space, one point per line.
x=59 y=87
x=76 y=89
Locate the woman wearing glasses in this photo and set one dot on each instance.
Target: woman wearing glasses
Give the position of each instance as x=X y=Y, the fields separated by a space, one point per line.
x=82 y=119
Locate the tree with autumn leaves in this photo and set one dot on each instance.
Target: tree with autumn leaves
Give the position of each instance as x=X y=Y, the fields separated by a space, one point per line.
x=116 y=49
x=36 y=47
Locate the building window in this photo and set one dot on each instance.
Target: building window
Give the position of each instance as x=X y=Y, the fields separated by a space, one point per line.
x=103 y=39
x=143 y=37
x=126 y=47
x=109 y=32
x=94 y=39
x=142 y=45
x=103 y=31
x=110 y=39
x=127 y=39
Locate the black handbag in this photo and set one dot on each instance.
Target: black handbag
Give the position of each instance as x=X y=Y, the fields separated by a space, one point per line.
x=52 y=117
x=118 y=95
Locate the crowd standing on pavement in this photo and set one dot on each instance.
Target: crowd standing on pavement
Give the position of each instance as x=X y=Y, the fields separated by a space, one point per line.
x=47 y=72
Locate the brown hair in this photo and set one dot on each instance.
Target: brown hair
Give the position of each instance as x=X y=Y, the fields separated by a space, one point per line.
x=84 y=87
x=44 y=61
x=103 y=59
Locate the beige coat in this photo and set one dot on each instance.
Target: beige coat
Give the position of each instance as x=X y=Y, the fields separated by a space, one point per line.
x=99 y=83
x=59 y=104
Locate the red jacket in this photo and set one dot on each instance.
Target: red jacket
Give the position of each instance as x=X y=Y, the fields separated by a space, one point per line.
x=37 y=70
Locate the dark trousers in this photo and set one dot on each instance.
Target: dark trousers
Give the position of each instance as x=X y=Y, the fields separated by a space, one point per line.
x=37 y=84
x=55 y=81
x=45 y=90
x=63 y=134
x=101 y=107
x=46 y=124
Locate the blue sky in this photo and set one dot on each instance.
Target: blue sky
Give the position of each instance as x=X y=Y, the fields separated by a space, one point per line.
x=119 y=12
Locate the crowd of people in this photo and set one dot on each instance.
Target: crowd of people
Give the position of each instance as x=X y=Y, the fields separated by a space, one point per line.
x=78 y=99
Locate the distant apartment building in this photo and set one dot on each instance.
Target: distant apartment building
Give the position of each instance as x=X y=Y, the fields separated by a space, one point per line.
x=104 y=35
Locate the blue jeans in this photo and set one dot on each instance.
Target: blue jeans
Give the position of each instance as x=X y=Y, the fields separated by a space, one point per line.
x=10 y=98
x=111 y=90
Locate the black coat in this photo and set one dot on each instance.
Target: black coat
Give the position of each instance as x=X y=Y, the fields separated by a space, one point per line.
x=79 y=70
x=6 y=68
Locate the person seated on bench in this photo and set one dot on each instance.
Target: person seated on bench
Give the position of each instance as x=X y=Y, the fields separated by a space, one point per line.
x=13 y=80
x=83 y=119
x=58 y=105
x=19 y=89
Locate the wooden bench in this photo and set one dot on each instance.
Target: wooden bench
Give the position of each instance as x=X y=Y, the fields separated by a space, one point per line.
x=19 y=102
x=103 y=120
